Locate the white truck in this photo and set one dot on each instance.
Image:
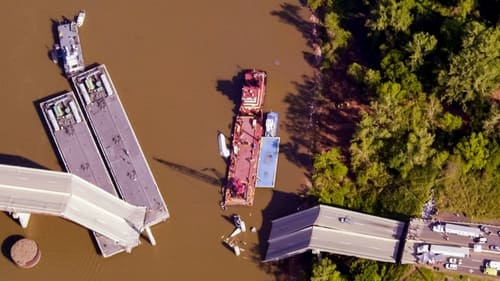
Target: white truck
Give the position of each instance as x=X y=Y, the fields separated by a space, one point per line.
x=493 y=264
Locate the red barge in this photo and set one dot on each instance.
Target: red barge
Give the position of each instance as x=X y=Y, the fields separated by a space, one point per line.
x=247 y=134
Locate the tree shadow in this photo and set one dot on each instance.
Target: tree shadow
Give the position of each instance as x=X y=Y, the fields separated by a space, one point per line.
x=216 y=181
x=8 y=243
x=290 y=14
x=299 y=123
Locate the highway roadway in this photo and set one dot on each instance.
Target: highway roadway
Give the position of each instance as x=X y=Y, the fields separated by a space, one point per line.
x=472 y=264
x=320 y=228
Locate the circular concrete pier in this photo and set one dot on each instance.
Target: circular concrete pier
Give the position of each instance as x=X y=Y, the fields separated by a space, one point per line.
x=25 y=253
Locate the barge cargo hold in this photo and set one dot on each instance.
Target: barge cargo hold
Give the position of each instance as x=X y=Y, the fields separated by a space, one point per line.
x=78 y=151
x=118 y=143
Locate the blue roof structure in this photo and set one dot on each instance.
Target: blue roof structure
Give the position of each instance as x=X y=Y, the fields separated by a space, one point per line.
x=268 y=162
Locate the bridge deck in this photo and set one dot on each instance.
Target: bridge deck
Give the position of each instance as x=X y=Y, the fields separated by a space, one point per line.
x=78 y=151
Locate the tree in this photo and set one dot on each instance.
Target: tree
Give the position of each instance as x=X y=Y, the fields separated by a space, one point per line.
x=474 y=72
x=338 y=38
x=474 y=150
x=392 y=15
x=361 y=74
x=421 y=44
x=363 y=270
x=326 y=270
x=328 y=178
x=449 y=122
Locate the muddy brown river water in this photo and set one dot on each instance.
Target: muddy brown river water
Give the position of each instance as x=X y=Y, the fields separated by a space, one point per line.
x=175 y=65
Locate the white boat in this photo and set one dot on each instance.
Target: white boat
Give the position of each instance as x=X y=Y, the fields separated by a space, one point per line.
x=223 y=149
x=271 y=124
x=81 y=18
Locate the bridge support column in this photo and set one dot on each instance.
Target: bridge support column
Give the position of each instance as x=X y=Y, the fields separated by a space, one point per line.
x=150 y=236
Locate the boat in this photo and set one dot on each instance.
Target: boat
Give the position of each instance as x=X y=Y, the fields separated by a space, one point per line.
x=239 y=223
x=253 y=92
x=223 y=149
x=80 y=18
x=247 y=133
x=68 y=49
x=271 y=124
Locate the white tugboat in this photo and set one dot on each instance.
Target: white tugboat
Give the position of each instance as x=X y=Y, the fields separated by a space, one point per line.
x=68 y=49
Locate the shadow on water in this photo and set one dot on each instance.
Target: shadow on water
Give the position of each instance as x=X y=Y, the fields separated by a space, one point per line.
x=327 y=108
x=290 y=14
x=281 y=204
x=232 y=89
x=216 y=181
x=8 y=243
x=15 y=160
x=299 y=123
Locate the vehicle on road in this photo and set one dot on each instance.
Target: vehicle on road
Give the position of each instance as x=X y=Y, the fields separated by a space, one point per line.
x=345 y=220
x=451 y=266
x=452 y=260
x=424 y=248
x=495 y=248
x=493 y=264
x=481 y=240
x=485 y=229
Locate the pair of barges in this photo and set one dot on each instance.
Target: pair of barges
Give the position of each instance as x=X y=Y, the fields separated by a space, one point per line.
x=94 y=137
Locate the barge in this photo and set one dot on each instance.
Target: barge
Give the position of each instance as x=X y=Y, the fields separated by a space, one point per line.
x=78 y=151
x=269 y=152
x=69 y=50
x=246 y=141
x=118 y=143
x=242 y=174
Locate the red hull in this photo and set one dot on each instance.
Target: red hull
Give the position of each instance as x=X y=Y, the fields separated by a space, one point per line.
x=247 y=134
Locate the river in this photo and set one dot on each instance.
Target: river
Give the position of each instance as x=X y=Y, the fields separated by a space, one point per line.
x=176 y=67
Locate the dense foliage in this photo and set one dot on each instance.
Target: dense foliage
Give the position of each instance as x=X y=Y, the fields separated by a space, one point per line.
x=433 y=121
x=432 y=126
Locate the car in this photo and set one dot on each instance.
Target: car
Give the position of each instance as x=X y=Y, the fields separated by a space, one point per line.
x=481 y=240
x=485 y=229
x=345 y=220
x=495 y=248
x=451 y=266
x=452 y=260
x=498 y=233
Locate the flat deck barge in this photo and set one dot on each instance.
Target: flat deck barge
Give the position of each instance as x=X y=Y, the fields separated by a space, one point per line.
x=78 y=151
x=246 y=141
x=118 y=143
x=269 y=152
x=268 y=162
x=242 y=174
